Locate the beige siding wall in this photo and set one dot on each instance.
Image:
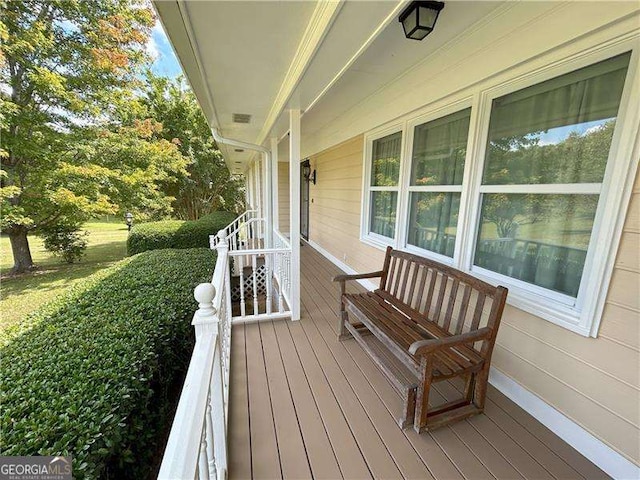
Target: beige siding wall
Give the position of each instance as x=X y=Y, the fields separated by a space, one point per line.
x=283 y=196
x=595 y=382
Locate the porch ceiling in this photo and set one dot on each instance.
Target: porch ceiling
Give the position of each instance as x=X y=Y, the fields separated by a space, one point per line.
x=262 y=57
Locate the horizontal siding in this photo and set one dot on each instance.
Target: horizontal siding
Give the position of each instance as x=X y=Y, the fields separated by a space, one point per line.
x=283 y=196
x=595 y=382
x=334 y=211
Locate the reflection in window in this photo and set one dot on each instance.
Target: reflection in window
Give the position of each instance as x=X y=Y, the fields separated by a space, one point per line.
x=385 y=176
x=433 y=217
x=383 y=213
x=439 y=149
x=558 y=131
x=540 y=239
x=385 y=170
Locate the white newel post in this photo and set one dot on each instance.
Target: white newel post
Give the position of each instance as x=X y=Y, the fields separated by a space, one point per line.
x=294 y=209
x=205 y=319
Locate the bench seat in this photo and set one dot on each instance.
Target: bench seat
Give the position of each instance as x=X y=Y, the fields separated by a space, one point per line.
x=398 y=331
x=426 y=323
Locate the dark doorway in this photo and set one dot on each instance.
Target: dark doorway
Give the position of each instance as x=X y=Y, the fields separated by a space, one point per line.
x=304 y=200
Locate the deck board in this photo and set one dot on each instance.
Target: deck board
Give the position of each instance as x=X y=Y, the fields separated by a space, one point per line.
x=304 y=405
x=322 y=458
x=265 y=457
x=293 y=455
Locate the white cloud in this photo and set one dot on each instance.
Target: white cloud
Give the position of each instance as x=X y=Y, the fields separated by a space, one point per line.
x=593 y=129
x=152 y=47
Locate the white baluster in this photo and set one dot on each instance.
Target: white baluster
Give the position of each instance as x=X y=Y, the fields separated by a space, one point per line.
x=268 y=259
x=219 y=421
x=240 y=259
x=254 y=269
x=281 y=285
x=210 y=440
x=203 y=461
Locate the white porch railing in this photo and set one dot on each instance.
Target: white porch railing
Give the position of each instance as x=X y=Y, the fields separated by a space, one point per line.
x=197 y=445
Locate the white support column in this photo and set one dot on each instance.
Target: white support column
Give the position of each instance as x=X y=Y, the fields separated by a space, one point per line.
x=274 y=184
x=294 y=210
x=249 y=187
x=267 y=182
x=256 y=186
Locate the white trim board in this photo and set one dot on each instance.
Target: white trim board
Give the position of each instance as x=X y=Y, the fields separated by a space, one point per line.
x=583 y=441
x=368 y=284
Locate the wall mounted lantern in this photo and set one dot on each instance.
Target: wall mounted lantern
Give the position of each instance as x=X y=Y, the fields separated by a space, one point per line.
x=419 y=19
x=308 y=175
x=128 y=218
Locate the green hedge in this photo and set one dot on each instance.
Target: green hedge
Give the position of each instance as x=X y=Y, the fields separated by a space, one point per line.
x=97 y=374
x=176 y=233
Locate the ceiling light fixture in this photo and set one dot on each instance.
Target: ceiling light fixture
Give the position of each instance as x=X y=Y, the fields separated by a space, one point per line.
x=419 y=19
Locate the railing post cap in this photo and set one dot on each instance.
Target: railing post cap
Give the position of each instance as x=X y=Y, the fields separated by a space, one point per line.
x=204 y=294
x=222 y=235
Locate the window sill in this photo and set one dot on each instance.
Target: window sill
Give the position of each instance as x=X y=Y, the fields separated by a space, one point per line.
x=549 y=309
x=379 y=242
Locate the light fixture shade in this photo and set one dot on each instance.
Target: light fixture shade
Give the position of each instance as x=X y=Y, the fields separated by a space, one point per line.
x=419 y=18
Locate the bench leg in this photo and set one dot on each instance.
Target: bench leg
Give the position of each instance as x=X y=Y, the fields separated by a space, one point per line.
x=343 y=333
x=422 y=402
x=469 y=388
x=480 y=388
x=408 y=409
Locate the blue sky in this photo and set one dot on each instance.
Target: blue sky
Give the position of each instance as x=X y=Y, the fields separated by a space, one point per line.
x=559 y=134
x=165 y=62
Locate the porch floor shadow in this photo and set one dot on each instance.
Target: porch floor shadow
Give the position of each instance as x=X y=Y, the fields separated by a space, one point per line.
x=304 y=405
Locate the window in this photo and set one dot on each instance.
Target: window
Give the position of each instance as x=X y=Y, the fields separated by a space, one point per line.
x=437 y=167
x=383 y=185
x=515 y=185
x=547 y=150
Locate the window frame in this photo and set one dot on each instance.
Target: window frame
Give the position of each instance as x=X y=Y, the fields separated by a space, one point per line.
x=580 y=314
x=366 y=235
x=444 y=111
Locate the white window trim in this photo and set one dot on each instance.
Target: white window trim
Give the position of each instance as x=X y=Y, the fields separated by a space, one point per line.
x=366 y=236
x=448 y=109
x=583 y=313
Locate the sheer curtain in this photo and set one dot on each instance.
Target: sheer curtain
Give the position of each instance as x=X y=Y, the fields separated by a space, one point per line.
x=439 y=151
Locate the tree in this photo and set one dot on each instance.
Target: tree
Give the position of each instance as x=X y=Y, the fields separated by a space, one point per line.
x=524 y=159
x=67 y=68
x=209 y=185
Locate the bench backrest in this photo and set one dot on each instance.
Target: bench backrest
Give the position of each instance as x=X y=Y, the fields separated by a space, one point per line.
x=427 y=290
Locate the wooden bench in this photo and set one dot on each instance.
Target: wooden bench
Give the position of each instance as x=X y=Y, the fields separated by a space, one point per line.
x=426 y=323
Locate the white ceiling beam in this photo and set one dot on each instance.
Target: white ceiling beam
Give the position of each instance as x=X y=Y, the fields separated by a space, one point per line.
x=318 y=26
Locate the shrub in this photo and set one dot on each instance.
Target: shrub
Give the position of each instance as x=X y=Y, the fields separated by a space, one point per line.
x=93 y=375
x=176 y=233
x=66 y=241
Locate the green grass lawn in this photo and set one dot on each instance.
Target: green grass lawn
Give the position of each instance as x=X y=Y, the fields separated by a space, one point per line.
x=23 y=294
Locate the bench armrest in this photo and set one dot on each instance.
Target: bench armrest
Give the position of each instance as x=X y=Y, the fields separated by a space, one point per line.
x=423 y=347
x=358 y=276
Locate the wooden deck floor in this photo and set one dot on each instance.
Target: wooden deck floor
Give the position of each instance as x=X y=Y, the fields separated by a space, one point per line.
x=304 y=405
